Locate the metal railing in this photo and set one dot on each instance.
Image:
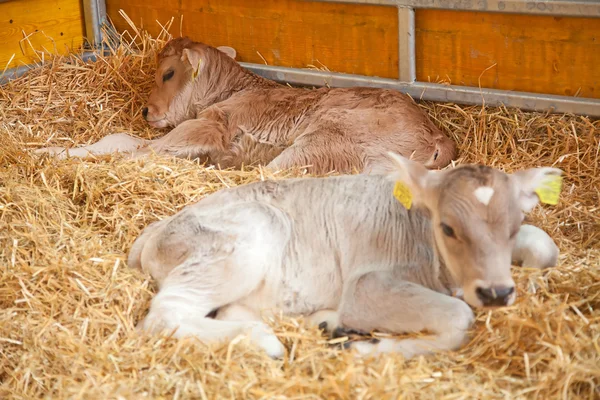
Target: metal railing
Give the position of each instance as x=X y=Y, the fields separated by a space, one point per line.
x=563 y=8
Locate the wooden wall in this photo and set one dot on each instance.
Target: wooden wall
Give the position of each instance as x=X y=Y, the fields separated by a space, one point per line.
x=345 y=37
x=530 y=53
x=540 y=54
x=51 y=26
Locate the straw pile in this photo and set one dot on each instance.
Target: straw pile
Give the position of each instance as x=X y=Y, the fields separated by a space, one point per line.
x=68 y=302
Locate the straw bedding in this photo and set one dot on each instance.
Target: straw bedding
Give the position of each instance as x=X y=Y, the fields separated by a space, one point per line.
x=68 y=302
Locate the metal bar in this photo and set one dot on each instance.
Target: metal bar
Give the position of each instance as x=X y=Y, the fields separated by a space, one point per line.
x=94 y=12
x=433 y=91
x=563 y=8
x=17 y=72
x=406 y=45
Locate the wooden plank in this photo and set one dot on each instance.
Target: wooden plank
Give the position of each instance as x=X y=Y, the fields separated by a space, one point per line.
x=350 y=38
x=540 y=54
x=51 y=26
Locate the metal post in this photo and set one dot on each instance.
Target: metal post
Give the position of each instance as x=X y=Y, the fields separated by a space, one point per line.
x=95 y=16
x=406 y=45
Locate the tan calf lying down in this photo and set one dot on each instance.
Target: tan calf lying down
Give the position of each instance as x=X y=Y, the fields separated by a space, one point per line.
x=229 y=116
x=344 y=251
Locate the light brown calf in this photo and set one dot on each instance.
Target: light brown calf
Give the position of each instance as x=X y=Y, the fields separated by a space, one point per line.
x=229 y=116
x=344 y=251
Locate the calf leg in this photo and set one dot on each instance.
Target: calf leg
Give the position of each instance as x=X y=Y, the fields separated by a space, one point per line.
x=186 y=299
x=208 y=260
x=324 y=319
x=117 y=143
x=237 y=312
x=534 y=248
x=192 y=138
x=321 y=154
x=211 y=138
x=379 y=301
x=262 y=335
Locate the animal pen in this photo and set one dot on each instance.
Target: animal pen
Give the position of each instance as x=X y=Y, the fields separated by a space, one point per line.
x=515 y=83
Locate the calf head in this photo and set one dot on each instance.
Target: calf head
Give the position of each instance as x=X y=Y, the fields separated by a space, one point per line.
x=476 y=213
x=180 y=63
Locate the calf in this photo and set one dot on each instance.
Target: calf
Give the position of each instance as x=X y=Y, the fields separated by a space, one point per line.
x=226 y=115
x=344 y=251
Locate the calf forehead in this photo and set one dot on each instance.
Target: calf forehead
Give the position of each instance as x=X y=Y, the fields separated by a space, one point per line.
x=174 y=47
x=168 y=62
x=477 y=192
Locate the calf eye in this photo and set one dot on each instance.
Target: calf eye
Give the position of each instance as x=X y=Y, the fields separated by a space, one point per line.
x=168 y=75
x=448 y=231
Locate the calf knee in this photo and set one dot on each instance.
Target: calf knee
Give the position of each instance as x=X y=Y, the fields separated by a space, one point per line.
x=162 y=316
x=177 y=309
x=459 y=322
x=534 y=248
x=134 y=259
x=464 y=316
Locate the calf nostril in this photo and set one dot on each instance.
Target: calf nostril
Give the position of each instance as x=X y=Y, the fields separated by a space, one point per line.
x=505 y=292
x=145 y=112
x=495 y=296
x=484 y=294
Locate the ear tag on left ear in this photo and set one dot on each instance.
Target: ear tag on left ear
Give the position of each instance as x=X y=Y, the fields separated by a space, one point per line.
x=549 y=189
x=403 y=195
x=197 y=71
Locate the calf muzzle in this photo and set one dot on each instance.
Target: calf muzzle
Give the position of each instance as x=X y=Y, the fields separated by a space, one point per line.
x=495 y=296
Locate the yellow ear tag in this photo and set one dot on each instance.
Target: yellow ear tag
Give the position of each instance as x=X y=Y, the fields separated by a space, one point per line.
x=549 y=189
x=197 y=71
x=403 y=195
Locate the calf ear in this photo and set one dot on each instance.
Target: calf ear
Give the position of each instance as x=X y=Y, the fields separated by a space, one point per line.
x=230 y=51
x=413 y=175
x=535 y=184
x=192 y=57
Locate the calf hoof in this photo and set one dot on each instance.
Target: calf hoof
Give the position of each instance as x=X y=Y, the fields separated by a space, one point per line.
x=353 y=336
x=352 y=343
x=341 y=332
x=325 y=320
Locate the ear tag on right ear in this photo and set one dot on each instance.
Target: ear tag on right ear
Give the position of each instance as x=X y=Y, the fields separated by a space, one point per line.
x=403 y=195
x=197 y=71
x=549 y=189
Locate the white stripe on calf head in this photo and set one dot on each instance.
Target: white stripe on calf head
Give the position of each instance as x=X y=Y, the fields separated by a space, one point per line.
x=484 y=194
